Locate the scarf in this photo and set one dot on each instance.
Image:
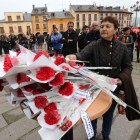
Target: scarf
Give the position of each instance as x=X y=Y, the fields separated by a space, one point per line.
x=125 y=39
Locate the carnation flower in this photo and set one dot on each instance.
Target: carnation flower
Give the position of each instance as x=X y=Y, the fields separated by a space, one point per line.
x=66 y=124
x=38 y=91
x=59 y=60
x=65 y=68
x=1 y=87
x=39 y=54
x=58 y=80
x=45 y=86
x=45 y=73
x=40 y=102
x=22 y=77
x=52 y=117
x=51 y=107
x=66 y=89
x=7 y=63
x=29 y=88
x=19 y=93
x=18 y=53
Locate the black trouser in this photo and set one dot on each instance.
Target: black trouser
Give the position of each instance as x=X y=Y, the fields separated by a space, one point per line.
x=58 y=51
x=137 y=54
x=6 y=50
x=68 y=135
x=1 y=50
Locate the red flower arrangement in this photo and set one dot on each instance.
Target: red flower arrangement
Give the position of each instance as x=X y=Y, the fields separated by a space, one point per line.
x=65 y=68
x=1 y=87
x=40 y=101
x=58 y=80
x=29 y=88
x=7 y=63
x=59 y=60
x=38 y=91
x=18 y=53
x=51 y=107
x=22 y=77
x=52 y=117
x=45 y=73
x=66 y=124
x=19 y=93
x=45 y=86
x=39 y=54
x=66 y=89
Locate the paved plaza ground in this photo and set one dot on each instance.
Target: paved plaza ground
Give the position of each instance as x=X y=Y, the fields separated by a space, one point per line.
x=14 y=125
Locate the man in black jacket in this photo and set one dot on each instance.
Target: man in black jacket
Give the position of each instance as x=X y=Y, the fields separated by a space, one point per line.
x=94 y=34
x=81 y=38
x=69 y=40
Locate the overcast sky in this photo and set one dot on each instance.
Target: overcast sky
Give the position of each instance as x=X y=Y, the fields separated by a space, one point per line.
x=56 y=5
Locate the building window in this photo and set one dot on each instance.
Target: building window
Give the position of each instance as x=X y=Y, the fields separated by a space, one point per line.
x=101 y=17
x=89 y=16
x=115 y=15
x=122 y=16
x=106 y=15
x=78 y=25
x=35 y=11
x=119 y=16
x=77 y=16
x=84 y=17
x=130 y=17
x=44 y=26
x=61 y=27
x=9 y=18
x=43 y=10
x=124 y=22
x=18 y=18
x=36 y=19
x=19 y=29
x=67 y=14
x=127 y=23
x=1 y=30
x=95 y=17
x=119 y=23
x=83 y=24
x=44 y=18
x=89 y=23
x=11 y=30
x=37 y=27
x=28 y=28
x=52 y=14
x=111 y=15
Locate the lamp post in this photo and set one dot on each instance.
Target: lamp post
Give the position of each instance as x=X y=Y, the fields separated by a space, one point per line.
x=135 y=8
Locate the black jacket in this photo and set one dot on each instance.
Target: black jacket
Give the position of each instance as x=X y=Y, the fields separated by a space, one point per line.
x=81 y=39
x=69 y=47
x=40 y=39
x=91 y=37
x=134 y=36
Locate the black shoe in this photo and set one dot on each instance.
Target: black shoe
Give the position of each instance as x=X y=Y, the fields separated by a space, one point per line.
x=93 y=138
x=106 y=138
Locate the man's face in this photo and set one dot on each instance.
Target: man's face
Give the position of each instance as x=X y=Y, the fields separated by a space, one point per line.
x=55 y=31
x=86 y=30
x=95 y=27
x=70 y=27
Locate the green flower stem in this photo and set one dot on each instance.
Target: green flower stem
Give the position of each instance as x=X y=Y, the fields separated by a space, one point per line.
x=133 y=109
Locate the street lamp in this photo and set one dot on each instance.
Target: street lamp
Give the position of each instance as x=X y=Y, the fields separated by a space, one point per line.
x=135 y=8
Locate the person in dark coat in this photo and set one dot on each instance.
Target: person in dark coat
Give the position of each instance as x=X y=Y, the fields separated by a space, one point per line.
x=0 y=46
x=94 y=34
x=138 y=46
x=12 y=41
x=109 y=52
x=32 y=41
x=69 y=40
x=5 y=43
x=81 y=38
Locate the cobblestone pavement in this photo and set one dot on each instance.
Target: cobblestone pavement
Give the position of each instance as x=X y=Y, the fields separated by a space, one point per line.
x=14 y=125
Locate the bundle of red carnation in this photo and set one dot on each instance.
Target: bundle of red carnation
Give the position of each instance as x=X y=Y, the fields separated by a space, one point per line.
x=22 y=77
x=58 y=80
x=45 y=73
x=39 y=54
x=7 y=63
x=59 y=60
x=38 y=91
x=51 y=107
x=66 y=89
x=29 y=88
x=20 y=93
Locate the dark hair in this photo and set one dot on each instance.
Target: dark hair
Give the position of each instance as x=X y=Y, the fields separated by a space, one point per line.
x=70 y=22
x=85 y=27
x=55 y=28
x=126 y=28
x=111 y=20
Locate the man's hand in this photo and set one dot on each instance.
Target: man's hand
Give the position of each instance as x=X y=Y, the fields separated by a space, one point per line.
x=119 y=82
x=63 y=38
x=72 y=57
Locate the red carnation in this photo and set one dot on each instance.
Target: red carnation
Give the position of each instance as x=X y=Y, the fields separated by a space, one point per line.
x=19 y=93
x=45 y=73
x=7 y=63
x=59 y=60
x=38 y=91
x=66 y=124
x=65 y=68
x=39 y=54
x=22 y=77
x=51 y=107
x=29 y=88
x=52 y=117
x=1 y=82
x=45 y=86
x=66 y=89
x=58 y=80
x=18 y=53
x=40 y=101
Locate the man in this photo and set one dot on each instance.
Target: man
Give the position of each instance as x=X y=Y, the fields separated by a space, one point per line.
x=55 y=39
x=81 y=38
x=69 y=40
x=5 y=42
x=93 y=35
x=12 y=41
x=134 y=39
x=40 y=42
